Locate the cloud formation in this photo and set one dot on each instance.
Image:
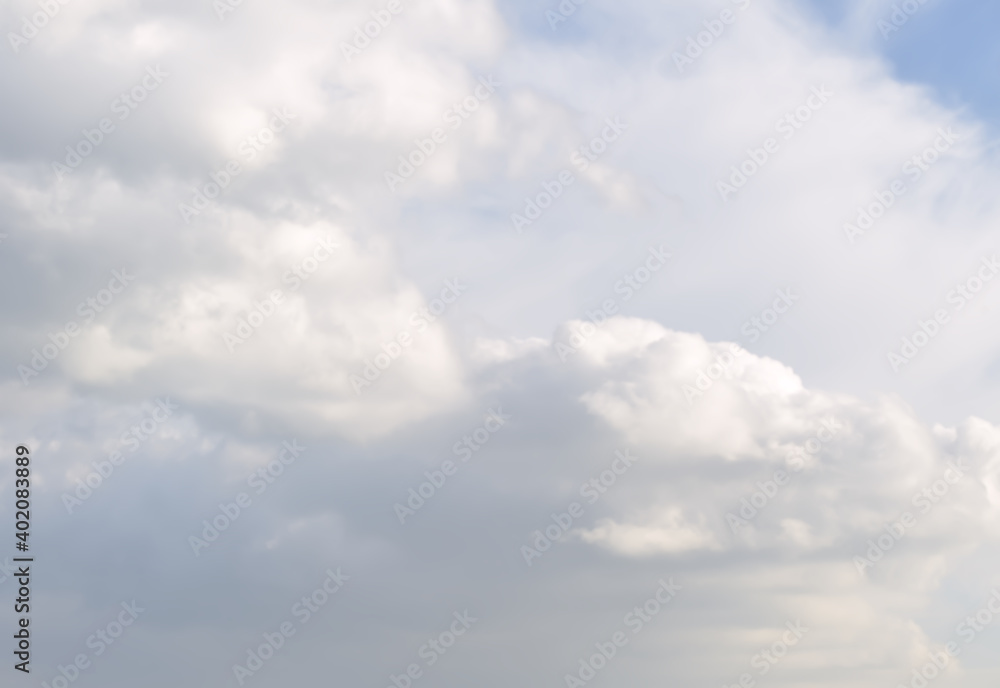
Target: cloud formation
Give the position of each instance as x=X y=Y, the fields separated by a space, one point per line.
x=692 y=236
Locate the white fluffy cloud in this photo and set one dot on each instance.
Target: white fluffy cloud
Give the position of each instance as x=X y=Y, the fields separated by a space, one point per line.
x=406 y=314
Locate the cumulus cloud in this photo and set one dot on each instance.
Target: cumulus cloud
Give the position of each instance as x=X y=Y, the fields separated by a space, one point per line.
x=317 y=208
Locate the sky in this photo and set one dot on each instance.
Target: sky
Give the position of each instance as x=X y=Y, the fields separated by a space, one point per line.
x=397 y=344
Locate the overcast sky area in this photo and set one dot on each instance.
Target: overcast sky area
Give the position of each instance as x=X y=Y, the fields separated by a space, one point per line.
x=447 y=343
